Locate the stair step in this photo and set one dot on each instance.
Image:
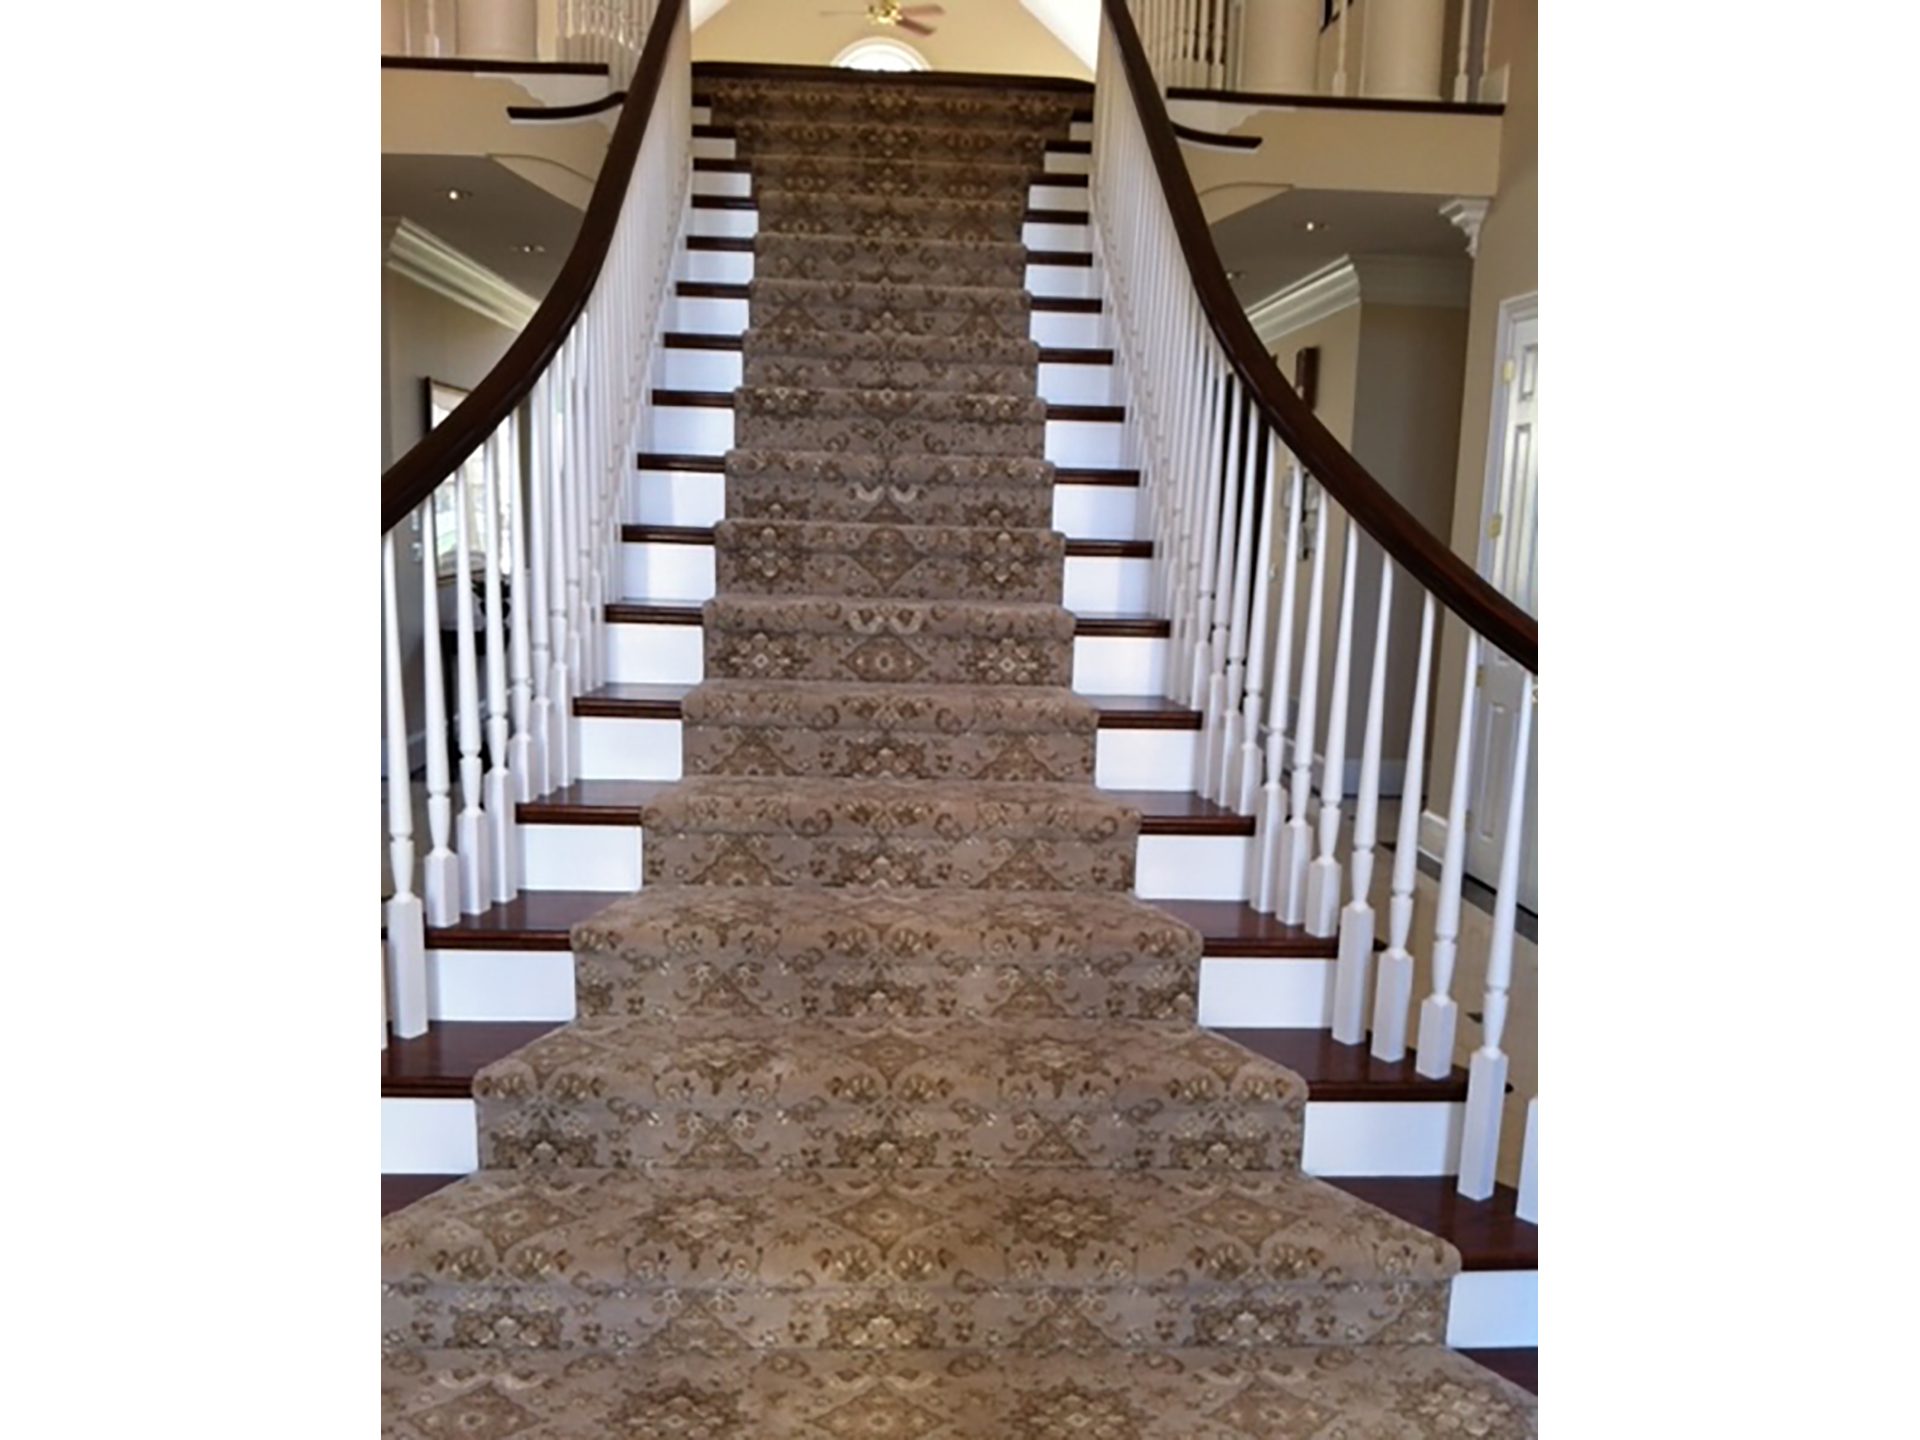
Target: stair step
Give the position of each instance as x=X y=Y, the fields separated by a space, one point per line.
x=1120 y=1260
x=593 y=802
x=1235 y=929
x=663 y=702
x=1263 y=1391
x=536 y=920
x=704 y=535
x=441 y=1064
x=1519 y=1365
x=1336 y=1072
x=1489 y=1234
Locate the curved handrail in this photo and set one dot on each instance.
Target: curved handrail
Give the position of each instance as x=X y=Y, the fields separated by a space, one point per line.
x=535 y=114
x=1419 y=552
x=419 y=472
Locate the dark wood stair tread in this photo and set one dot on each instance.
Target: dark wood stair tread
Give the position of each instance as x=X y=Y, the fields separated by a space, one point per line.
x=1143 y=712
x=1180 y=812
x=1095 y=475
x=1519 y=1364
x=1346 y=1072
x=592 y=802
x=399 y=1191
x=1234 y=929
x=1138 y=626
x=534 y=920
x=644 y=612
x=1489 y=1234
x=441 y=1064
x=691 y=464
x=632 y=702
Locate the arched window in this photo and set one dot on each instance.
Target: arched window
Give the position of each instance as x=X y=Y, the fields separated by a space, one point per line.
x=877 y=54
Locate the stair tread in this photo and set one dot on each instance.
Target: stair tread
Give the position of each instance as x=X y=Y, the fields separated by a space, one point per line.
x=1336 y=1072
x=533 y=920
x=1489 y=1234
x=1235 y=929
x=441 y=1062
x=593 y=802
x=1090 y=1229
x=1184 y=1394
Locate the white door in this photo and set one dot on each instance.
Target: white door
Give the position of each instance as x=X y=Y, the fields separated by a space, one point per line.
x=1509 y=559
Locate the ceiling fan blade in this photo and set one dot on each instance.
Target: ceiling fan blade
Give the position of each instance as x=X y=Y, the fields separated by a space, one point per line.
x=915 y=26
x=923 y=9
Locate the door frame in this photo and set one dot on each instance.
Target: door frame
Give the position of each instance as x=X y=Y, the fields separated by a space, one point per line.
x=1513 y=311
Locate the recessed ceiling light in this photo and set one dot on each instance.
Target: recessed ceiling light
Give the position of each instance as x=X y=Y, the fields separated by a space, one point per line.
x=1311 y=225
x=459 y=194
x=531 y=249
x=1236 y=275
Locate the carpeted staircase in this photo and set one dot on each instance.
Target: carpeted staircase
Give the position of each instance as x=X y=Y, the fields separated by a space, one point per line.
x=886 y=1115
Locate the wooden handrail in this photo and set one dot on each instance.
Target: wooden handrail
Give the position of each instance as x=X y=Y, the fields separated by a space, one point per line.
x=1417 y=550
x=421 y=471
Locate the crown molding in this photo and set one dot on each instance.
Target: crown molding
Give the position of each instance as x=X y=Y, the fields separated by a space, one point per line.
x=1437 y=281
x=427 y=260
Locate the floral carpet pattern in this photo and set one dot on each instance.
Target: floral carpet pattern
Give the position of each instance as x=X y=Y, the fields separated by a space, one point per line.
x=886 y=1114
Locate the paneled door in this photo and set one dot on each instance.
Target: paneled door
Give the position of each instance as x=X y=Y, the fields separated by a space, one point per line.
x=1509 y=559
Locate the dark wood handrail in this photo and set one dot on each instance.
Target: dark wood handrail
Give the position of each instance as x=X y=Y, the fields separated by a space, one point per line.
x=419 y=472
x=586 y=108
x=1418 y=551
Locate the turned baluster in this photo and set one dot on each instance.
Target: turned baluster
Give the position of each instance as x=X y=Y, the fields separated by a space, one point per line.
x=1393 y=991
x=471 y=842
x=1269 y=884
x=1439 y=1016
x=1356 y=920
x=440 y=871
x=1323 y=876
x=1296 y=841
x=406 y=921
x=503 y=860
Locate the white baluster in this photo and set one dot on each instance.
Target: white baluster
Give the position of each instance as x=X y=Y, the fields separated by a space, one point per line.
x=1528 y=1208
x=1269 y=887
x=502 y=833
x=1323 y=877
x=1226 y=789
x=1439 y=1016
x=1393 y=994
x=1339 y=86
x=406 y=922
x=1296 y=841
x=1207 y=752
x=476 y=870
x=1486 y=48
x=539 y=481
x=1247 y=774
x=560 y=751
x=440 y=872
x=1487 y=1070
x=520 y=688
x=1356 y=920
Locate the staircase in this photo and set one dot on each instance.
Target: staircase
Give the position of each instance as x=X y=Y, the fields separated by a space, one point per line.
x=870 y=876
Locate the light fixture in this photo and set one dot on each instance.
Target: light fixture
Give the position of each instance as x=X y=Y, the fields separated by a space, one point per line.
x=1236 y=275
x=1312 y=225
x=459 y=194
x=531 y=249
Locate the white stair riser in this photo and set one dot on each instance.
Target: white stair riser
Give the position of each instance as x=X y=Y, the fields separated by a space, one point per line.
x=709 y=430
x=703 y=115
x=722 y=182
x=1119 y=664
x=500 y=985
x=1263 y=993
x=726 y=267
x=1191 y=867
x=1065 y=163
x=723 y=371
x=1057 y=197
x=1097 y=512
x=1113 y=584
x=709 y=315
x=644 y=654
x=714 y=147
x=582 y=857
x=724 y=222
x=679 y=497
x=1235 y=993
x=631 y=748
x=616 y=747
x=1494 y=1309
x=1383 y=1137
x=1068 y=328
x=1068 y=281
x=1053 y=235
x=1343 y=1138
x=1145 y=759
x=1079 y=130
x=662 y=572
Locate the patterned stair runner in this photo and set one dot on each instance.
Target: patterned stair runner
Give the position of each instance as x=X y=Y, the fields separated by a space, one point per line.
x=886 y=1114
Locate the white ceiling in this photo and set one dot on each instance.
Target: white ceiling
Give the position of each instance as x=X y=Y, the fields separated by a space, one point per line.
x=1269 y=248
x=502 y=211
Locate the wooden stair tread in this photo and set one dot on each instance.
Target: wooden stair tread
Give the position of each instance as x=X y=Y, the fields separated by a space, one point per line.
x=1520 y=1364
x=535 y=920
x=1143 y=712
x=398 y=1191
x=441 y=1064
x=1180 y=812
x=632 y=702
x=647 y=612
x=593 y=802
x=1489 y=1234
x=634 y=534
x=1096 y=622
x=1346 y=1072
x=1235 y=929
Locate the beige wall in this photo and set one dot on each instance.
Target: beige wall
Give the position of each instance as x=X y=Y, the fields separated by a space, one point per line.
x=990 y=35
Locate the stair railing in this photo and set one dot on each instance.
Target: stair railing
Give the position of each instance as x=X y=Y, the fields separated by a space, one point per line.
x=527 y=474
x=1242 y=488
x=1192 y=42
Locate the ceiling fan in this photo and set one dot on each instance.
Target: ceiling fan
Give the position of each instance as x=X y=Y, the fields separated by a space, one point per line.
x=892 y=12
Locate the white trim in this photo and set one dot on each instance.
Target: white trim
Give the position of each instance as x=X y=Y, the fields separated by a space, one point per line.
x=427 y=260
x=881 y=45
x=1513 y=310
x=1469 y=214
x=1434 y=281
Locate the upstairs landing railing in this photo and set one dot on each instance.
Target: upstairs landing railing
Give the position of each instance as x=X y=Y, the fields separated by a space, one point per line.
x=1242 y=487
x=606 y=32
x=527 y=473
